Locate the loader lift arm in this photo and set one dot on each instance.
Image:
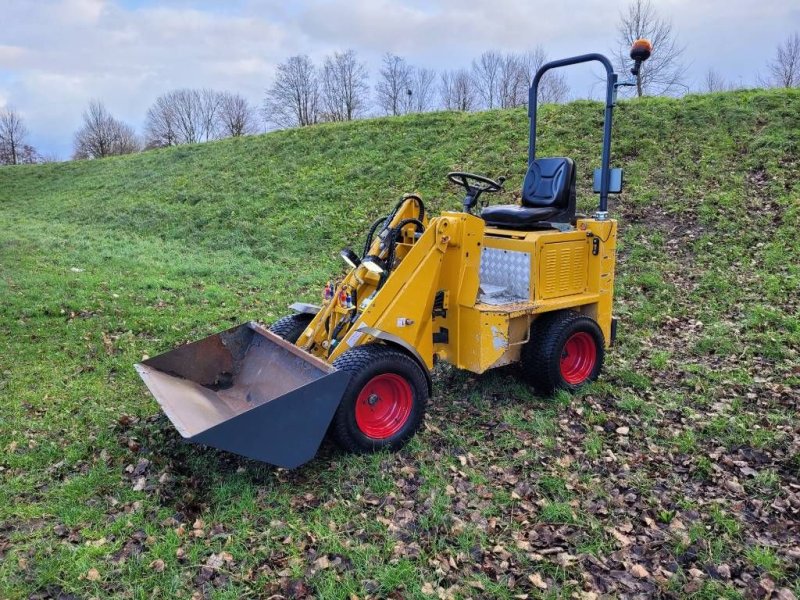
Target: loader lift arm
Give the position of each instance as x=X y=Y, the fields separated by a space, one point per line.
x=396 y=300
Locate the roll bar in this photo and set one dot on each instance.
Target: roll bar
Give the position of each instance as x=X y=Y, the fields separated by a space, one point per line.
x=611 y=97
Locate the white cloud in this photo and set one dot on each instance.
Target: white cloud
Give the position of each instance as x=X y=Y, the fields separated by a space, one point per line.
x=56 y=55
x=81 y=11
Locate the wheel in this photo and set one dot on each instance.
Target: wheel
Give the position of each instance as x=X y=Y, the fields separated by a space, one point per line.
x=565 y=351
x=384 y=404
x=291 y=327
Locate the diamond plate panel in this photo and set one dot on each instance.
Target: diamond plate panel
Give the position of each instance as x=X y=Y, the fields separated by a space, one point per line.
x=506 y=269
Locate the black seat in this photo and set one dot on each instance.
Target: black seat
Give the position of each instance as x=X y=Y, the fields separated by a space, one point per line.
x=548 y=196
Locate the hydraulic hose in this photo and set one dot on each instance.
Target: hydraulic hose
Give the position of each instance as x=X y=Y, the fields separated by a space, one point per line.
x=393 y=236
x=388 y=219
x=373 y=228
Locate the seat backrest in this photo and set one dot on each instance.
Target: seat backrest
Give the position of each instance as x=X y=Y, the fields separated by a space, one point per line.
x=549 y=183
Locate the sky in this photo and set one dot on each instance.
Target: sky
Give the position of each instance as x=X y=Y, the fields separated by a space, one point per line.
x=58 y=55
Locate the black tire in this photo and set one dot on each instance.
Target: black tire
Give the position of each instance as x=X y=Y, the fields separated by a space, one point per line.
x=378 y=367
x=291 y=327
x=546 y=361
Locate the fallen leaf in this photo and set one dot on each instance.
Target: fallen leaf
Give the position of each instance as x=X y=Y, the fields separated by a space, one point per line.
x=214 y=561
x=734 y=486
x=639 y=572
x=620 y=537
x=696 y=573
x=157 y=565
x=537 y=580
x=96 y=543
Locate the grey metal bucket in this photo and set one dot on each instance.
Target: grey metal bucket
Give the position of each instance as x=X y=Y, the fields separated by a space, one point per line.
x=247 y=391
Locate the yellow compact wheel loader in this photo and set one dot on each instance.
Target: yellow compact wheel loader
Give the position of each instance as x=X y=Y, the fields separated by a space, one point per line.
x=530 y=284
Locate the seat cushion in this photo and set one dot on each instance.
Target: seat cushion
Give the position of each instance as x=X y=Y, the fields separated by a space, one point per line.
x=514 y=216
x=549 y=182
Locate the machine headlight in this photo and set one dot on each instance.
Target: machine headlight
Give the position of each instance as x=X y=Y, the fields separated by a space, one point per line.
x=350 y=257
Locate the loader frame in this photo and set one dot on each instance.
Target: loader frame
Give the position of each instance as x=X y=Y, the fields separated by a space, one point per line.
x=450 y=288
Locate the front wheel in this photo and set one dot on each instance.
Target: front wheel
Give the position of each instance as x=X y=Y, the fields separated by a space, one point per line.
x=565 y=351
x=291 y=327
x=384 y=404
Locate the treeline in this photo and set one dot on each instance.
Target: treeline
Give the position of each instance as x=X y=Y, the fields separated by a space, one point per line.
x=340 y=89
x=302 y=94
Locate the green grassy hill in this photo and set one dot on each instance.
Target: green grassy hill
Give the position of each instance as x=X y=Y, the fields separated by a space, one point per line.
x=676 y=474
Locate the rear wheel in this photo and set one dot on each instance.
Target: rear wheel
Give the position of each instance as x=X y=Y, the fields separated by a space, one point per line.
x=565 y=351
x=291 y=327
x=384 y=404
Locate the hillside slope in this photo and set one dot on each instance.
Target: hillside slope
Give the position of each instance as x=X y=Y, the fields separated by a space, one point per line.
x=676 y=474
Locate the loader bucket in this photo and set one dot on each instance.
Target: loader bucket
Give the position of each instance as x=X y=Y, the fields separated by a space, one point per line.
x=247 y=391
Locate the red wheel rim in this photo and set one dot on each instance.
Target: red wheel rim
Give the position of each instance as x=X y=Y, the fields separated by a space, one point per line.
x=578 y=358
x=383 y=406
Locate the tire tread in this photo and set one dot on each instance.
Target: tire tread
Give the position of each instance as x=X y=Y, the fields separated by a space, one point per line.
x=538 y=356
x=291 y=327
x=356 y=361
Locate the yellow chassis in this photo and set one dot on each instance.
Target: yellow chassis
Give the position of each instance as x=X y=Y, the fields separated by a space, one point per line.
x=571 y=269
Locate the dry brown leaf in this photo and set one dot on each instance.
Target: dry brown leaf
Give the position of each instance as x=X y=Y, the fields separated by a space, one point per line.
x=639 y=572
x=96 y=543
x=734 y=486
x=621 y=538
x=537 y=580
x=157 y=565
x=214 y=561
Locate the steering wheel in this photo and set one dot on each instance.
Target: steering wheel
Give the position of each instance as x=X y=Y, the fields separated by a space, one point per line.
x=475 y=186
x=486 y=184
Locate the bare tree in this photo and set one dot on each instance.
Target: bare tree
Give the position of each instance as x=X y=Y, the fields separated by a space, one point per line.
x=50 y=157
x=784 y=70
x=344 y=86
x=293 y=98
x=458 y=90
x=161 y=124
x=486 y=73
x=422 y=89
x=25 y=155
x=394 y=91
x=515 y=77
x=102 y=135
x=208 y=103
x=512 y=82
x=714 y=82
x=663 y=72
x=235 y=116
x=553 y=87
x=185 y=116
x=195 y=114
x=12 y=137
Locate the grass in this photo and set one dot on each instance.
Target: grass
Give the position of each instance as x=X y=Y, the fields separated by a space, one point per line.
x=103 y=262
